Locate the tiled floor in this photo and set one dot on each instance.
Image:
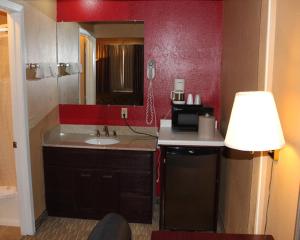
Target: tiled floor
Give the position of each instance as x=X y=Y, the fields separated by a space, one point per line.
x=10 y=233
x=55 y=228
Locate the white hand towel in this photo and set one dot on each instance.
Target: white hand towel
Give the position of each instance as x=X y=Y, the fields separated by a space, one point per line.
x=68 y=69
x=74 y=68
x=46 y=69
x=39 y=72
x=54 y=69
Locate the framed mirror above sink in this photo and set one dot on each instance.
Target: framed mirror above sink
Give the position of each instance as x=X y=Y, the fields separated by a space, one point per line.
x=104 y=63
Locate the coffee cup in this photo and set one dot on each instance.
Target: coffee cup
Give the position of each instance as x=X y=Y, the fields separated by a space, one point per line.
x=197 y=100
x=189 y=99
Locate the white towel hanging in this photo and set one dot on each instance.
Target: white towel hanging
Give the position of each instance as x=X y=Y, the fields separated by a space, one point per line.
x=54 y=69
x=39 y=74
x=74 y=68
x=68 y=69
x=46 y=69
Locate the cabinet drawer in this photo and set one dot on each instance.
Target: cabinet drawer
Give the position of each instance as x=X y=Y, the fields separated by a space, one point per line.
x=95 y=158
x=68 y=157
x=136 y=182
x=136 y=208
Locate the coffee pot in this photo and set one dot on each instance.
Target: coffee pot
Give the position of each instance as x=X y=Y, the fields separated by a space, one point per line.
x=177 y=96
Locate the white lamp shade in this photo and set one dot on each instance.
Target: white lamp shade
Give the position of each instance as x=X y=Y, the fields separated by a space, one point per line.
x=254 y=124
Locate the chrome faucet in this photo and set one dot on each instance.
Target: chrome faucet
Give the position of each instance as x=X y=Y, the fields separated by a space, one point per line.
x=98 y=133
x=105 y=129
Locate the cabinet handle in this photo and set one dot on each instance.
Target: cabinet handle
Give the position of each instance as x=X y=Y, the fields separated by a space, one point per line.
x=85 y=175
x=107 y=176
x=191 y=152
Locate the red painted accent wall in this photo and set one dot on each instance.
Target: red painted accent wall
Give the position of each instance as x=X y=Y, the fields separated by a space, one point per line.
x=183 y=37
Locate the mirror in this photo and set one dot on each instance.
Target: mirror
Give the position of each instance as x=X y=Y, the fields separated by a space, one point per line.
x=101 y=63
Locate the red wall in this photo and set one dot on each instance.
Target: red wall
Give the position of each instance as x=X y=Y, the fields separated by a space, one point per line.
x=183 y=37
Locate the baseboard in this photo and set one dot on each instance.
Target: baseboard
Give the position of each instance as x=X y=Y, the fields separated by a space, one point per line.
x=41 y=219
x=9 y=222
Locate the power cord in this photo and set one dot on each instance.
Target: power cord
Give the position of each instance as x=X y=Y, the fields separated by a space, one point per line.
x=150 y=106
x=137 y=132
x=269 y=196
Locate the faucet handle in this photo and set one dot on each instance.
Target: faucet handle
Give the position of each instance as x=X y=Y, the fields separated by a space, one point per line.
x=98 y=133
x=105 y=129
x=114 y=133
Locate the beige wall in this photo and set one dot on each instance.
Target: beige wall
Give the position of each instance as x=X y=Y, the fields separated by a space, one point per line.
x=40 y=36
x=7 y=161
x=240 y=60
x=68 y=52
x=286 y=89
x=241 y=71
x=47 y=7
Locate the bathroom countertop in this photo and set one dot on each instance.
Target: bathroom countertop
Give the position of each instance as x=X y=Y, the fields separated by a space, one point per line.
x=56 y=138
x=168 y=137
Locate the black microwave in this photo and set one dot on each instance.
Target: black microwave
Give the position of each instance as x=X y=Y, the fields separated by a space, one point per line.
x=185 y=117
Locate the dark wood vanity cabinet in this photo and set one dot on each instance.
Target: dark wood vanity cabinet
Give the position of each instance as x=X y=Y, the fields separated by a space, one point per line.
x=89 y=183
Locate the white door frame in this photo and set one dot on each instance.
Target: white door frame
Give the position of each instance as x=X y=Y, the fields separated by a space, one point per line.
x=16 y=37
x=90 y=67
x=264 y=162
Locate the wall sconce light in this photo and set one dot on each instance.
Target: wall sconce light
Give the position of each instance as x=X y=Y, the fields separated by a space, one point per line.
x=254 y=123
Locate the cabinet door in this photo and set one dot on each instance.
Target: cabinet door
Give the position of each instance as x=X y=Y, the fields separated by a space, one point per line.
x=96 y=193
x=139 y=182
x=107 y=192
x=190 y=189
x=60 y=199
x=136 y=196
x=136 y=208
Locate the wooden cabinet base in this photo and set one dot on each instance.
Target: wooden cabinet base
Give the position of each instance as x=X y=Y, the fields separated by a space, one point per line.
x=89 y=183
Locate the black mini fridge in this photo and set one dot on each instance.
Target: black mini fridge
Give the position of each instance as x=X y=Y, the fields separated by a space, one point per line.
x=190 y=189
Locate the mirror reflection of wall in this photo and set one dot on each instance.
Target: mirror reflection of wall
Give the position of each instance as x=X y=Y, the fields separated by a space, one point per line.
x=68 y=52
x=111 y=57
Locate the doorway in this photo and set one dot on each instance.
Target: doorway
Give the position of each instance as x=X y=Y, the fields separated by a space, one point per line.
x=8 y=194
x=19 y=116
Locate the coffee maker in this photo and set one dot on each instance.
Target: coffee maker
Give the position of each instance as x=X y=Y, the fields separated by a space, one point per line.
x=177 y=96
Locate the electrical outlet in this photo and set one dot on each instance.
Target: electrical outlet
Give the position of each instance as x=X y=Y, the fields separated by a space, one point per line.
x=124 y=113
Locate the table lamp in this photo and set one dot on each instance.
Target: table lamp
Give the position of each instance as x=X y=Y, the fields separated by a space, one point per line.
x=254 y=123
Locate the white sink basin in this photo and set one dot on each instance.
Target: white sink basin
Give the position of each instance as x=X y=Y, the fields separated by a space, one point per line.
x=102 y=141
